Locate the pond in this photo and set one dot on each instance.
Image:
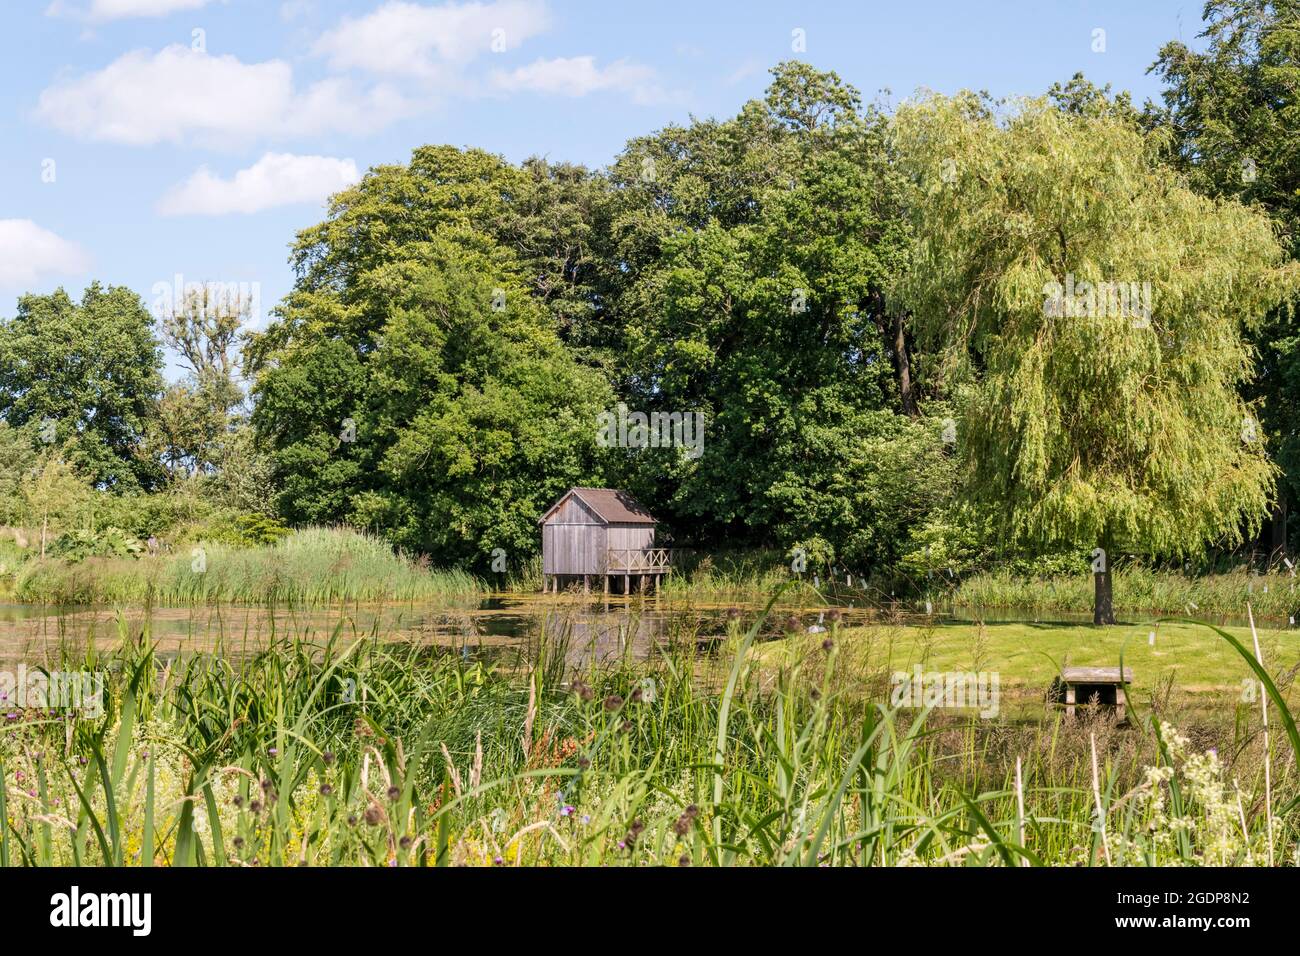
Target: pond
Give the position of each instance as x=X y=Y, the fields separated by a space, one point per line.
x=600 y=629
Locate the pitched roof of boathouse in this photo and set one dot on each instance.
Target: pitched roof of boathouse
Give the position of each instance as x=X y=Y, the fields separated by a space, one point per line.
x=610 y=505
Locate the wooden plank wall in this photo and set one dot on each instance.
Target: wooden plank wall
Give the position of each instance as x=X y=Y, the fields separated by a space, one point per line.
x=573 y=540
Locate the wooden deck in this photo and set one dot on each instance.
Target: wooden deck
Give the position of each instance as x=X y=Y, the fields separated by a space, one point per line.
x=635 y=569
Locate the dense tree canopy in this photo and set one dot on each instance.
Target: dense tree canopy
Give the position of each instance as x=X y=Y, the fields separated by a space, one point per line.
x=1232 y=113
x=757 y=253
x=413 y=382
x=823 y=282
x=86 y=375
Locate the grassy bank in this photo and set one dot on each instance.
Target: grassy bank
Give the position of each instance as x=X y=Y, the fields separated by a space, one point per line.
x=1139 y=589
x=314 y=565
x=376 y=754
x=1187 y=664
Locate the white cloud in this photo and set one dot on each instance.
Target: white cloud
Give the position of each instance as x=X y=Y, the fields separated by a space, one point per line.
x=411 y=39
x=579 y=76
x=27 y=252
x=277 y=179
x=123 y=9
x=180 y=95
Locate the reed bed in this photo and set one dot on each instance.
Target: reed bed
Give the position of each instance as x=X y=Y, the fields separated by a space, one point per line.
x=354 y=750
x=311 y=566
x=1272 y=595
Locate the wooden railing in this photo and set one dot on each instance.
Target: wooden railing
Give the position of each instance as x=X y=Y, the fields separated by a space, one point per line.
x=633 y=561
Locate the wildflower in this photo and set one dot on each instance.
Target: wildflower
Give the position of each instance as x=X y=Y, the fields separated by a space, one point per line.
x=692 y=811
x=256 y=806
x=327 y=757
x=266 y=784
x=835 y=615
x=636 y=695
x=19 y=776
x=272 y=751
x=238 y=842
x=682 y=826
x=567 y=810
x=404 y=843
x=497 y=860
x=237 y=800
x=613 y=702
x=352 y=819
x=792 y=623
x=583 y=763
x=586 y=818
x=827 y=645
x=326 y=789
x=373 y=815
x=684 y=860
x=733 y=613
x=626 y=726
x=394 y=793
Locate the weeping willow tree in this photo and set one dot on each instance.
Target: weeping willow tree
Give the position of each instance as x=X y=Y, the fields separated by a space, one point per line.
x=1089 y=309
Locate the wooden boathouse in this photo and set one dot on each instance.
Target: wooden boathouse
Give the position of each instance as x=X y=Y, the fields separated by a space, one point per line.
x=605 y=533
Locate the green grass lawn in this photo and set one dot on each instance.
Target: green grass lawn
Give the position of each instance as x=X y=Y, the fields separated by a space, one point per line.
x=1027 y=655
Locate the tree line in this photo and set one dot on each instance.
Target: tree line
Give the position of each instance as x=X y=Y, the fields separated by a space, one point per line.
x=855 y=299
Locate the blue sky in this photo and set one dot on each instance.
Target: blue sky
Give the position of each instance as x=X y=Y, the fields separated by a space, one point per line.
x=149 y=138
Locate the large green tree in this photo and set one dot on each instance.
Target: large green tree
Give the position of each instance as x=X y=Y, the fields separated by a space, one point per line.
x=415 y=381
x=1232 y=113
x=755 y=257
x=85 y=375
x=1091 y=416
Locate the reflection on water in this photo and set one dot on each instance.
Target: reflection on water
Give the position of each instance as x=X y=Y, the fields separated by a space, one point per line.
x=586 y=630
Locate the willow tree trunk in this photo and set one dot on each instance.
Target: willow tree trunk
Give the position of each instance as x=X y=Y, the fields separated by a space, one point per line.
x=906 y=394
x=1103 y=601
